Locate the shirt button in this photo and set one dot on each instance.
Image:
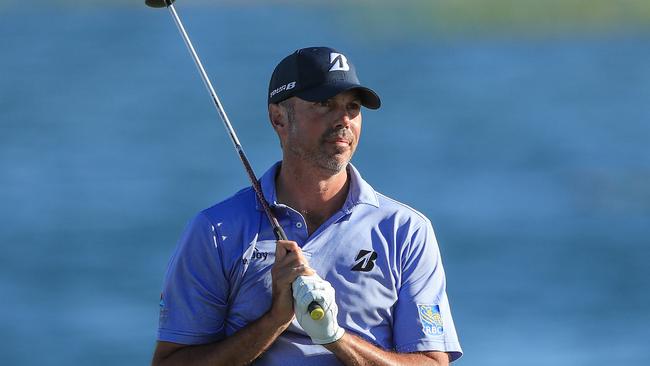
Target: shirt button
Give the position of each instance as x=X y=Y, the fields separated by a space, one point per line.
x=298 y=225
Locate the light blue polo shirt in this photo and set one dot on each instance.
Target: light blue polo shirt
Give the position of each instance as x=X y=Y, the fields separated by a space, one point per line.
x=380 y=255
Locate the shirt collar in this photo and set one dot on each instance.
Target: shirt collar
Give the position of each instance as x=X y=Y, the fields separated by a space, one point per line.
x=360 y=191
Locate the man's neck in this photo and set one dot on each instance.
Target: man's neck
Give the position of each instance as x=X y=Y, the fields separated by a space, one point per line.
x=316 y=193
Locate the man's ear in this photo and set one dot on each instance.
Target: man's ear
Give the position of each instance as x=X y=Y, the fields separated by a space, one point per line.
x=277 y=116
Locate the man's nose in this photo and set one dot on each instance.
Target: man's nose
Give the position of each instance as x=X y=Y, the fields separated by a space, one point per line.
x=344 y=118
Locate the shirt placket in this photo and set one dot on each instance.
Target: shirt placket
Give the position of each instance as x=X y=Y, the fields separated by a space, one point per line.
x=295 y=225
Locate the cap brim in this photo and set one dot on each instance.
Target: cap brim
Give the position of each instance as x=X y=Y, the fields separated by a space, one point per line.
x=369 y=98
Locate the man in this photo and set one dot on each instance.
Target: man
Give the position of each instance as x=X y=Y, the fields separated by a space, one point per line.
x=233 y=295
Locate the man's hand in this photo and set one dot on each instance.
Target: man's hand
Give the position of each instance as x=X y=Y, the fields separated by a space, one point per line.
x=247 y=344
x=289 y=264
x=307 y=289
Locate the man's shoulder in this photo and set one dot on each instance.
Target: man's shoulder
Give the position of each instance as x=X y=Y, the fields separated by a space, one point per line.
x=388 y=209
x=401 y=211
x=240 y=205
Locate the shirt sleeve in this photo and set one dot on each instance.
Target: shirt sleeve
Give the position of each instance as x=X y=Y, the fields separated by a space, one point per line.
x=423 y=320
x=194 y=298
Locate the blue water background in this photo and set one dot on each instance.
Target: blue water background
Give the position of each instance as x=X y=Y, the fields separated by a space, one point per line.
x=529 y=154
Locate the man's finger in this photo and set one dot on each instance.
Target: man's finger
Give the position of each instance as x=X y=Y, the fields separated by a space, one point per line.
x=293 y=260
x=284 y=247
x=280 y=250
x=288 y=245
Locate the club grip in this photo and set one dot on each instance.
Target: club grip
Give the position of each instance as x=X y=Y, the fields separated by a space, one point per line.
x=316 y=312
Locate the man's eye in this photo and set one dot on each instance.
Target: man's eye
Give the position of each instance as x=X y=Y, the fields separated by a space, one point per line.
x=354 y=106
x=323 y=103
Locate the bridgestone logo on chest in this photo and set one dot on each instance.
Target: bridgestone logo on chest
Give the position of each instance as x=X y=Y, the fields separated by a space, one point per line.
x=365 y=261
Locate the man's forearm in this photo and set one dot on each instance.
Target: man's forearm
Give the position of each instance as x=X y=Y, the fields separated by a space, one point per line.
x=354 y=351
x=241 y=348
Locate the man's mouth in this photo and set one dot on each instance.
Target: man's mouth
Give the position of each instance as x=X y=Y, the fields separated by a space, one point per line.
x=339 y=141
x=340 y=138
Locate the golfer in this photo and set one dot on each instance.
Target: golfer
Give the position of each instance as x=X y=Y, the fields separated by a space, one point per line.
x=233 y=295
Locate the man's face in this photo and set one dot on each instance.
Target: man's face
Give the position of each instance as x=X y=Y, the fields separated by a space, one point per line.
x=324 y=134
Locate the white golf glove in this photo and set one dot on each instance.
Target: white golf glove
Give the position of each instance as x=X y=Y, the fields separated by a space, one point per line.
x=307 y=289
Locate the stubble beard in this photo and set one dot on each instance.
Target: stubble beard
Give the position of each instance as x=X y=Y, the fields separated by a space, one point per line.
x=318 y=156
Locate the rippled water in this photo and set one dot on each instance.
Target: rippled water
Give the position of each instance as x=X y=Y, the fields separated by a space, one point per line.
x=530 y=155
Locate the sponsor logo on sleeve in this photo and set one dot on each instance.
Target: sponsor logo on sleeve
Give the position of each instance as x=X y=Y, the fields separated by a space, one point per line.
x=163 y=307
x=431 y=319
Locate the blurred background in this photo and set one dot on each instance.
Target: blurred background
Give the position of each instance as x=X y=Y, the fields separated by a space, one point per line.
x=519 y=127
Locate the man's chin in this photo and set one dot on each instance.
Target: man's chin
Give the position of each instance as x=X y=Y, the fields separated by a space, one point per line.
x=334 y=165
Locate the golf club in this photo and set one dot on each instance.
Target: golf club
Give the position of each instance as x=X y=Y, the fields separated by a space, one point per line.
x=315 y=310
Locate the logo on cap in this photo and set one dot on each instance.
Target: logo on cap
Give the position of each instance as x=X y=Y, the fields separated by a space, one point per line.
x=284 y=87
x=339 y=62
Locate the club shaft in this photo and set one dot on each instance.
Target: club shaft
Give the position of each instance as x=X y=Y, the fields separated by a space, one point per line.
x=277 y=229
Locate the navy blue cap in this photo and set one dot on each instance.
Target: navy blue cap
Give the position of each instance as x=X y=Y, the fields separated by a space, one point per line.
x=315 y=74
